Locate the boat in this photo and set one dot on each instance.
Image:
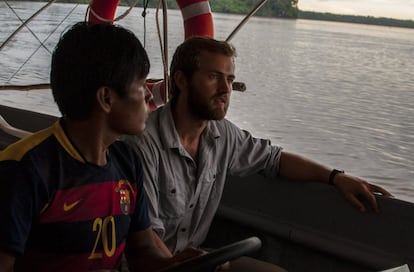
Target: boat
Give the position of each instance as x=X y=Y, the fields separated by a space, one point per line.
x=301 y=227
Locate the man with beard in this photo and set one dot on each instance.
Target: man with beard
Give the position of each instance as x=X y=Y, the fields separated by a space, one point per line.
x=189 y=148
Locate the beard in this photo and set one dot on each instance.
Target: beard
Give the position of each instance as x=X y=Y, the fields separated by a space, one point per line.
x=203 y=108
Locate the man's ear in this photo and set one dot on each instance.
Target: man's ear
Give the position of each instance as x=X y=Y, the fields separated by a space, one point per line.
x=181 y=80
x=104 y=99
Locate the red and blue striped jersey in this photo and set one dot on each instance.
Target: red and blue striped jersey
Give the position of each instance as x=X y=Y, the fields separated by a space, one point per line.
x=61 y=213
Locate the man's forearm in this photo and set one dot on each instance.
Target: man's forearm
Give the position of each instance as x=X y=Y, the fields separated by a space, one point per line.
x=299 y=168
x=161 y=245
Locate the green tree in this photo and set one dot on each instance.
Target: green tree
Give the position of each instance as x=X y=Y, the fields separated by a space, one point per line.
x=272 y=8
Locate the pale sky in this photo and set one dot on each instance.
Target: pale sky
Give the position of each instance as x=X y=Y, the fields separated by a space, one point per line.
x=398 y=9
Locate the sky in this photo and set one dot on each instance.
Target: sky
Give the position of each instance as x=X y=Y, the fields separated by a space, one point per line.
x=397 y=9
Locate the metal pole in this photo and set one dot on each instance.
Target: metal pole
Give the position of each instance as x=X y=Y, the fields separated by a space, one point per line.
x=25 y=23
x=165 y=37
x=251 y=13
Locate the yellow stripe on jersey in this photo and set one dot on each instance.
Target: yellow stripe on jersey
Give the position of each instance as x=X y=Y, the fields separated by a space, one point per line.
x=65 y=142
x=18 y=149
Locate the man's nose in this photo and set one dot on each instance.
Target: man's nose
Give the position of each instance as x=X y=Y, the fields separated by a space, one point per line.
x=226 y=85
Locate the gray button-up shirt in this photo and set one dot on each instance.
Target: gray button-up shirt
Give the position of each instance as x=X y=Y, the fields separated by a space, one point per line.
x=184 y=195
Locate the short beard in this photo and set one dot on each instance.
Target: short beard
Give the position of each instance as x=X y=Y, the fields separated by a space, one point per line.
x=202 y=110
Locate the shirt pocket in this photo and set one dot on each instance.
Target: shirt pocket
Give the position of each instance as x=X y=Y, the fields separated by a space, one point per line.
x=211 y=189
x=171 y=201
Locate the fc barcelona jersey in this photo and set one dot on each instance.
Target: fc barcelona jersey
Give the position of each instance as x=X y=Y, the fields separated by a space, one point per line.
x=61 y=213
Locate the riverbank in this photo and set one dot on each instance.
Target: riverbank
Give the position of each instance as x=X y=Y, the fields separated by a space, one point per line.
x=370 y=20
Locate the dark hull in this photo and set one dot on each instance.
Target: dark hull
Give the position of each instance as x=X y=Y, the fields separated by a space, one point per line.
x=311 y=227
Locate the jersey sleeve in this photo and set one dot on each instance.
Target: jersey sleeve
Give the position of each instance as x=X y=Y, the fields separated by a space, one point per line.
x=148 y=153
x=140 y=218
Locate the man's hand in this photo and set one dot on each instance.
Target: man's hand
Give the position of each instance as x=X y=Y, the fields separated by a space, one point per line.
x=186 y=254
x=354 y=188
x=6 y=261
x=194 y=252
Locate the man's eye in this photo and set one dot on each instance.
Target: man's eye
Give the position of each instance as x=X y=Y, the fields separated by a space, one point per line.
x=213 y=76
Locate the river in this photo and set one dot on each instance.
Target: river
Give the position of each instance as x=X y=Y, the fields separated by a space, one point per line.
x=340 y=93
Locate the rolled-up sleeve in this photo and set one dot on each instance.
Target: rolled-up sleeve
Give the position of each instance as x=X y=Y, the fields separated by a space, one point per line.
x=252 y=155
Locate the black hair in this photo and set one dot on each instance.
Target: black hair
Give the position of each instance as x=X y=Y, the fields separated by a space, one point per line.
x=89 y=56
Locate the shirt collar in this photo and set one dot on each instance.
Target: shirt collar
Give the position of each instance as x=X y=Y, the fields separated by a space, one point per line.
x=64 y=140
x=169 y=135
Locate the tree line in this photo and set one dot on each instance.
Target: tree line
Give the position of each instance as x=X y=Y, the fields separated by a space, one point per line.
x=355 y=19
x=272 y=8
